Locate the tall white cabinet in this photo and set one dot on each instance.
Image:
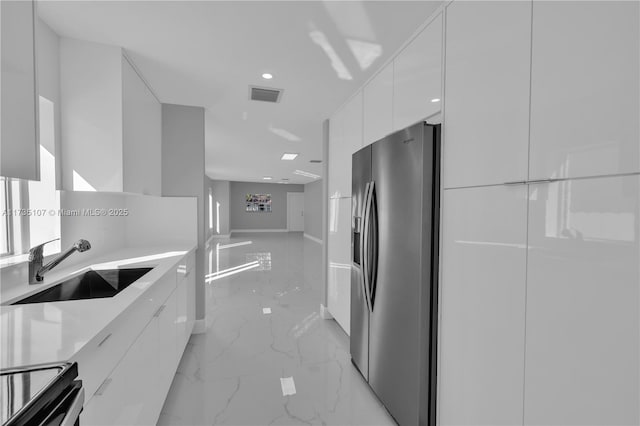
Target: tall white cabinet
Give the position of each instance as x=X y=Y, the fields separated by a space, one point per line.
x=417 y=77
x=585 y=90
x=540 y=284
x=487 y=74
x=345 y=138
x=583 y=274
x=482 y=305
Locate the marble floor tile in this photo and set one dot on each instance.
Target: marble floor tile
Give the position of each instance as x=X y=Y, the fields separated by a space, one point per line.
x=231 y=374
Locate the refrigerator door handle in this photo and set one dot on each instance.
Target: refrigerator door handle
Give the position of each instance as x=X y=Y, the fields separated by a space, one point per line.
x=365 y=243
x=372 y=249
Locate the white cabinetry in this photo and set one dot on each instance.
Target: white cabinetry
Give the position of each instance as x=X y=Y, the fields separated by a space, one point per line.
x=18 y=92
x=378 y=106
x=486 y=126
x=124 y=398
x=339 y=258
x=585 y=89
x=141 y=134
x=128 y=373
x=111 y=122
x=345 y=138
x=417 y=77
x=186 y=309
x=482 y=306
x=583 y=280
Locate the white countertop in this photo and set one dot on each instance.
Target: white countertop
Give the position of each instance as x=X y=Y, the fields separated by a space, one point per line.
x=55 y=331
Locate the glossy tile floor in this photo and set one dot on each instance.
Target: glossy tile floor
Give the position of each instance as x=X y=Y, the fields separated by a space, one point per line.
x=267 y=328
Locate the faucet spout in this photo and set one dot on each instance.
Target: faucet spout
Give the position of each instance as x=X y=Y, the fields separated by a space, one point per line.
x=37 y=270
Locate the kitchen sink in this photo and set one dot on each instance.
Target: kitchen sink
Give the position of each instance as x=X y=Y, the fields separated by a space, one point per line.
x=93 y=284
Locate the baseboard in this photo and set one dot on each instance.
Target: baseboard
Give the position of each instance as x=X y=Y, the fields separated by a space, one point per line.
x=238 y=231
x=324 y=313
x=202 y=325
x=317 y=240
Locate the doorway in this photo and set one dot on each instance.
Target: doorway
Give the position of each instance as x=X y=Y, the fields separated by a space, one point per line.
x=295 y=211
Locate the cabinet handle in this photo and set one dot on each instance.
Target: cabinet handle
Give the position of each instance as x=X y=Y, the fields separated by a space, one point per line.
x=159 y=311
x=516 y=182
x=533 y=182
x=104 y=340
x=103 y=387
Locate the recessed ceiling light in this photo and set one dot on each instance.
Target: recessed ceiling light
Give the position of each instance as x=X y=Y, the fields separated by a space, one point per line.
x=434 y=100
x=267 y=76
x=267 y=178
x=289 y=156
x=306 y=174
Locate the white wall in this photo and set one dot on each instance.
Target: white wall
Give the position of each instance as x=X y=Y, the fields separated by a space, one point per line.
x=313 y=204
x=240 y=219
x=91 y=89
x=146 y=224
x=220 y=191
x=183 y=173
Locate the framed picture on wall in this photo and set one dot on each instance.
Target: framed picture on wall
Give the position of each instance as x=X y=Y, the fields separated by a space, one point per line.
x=259 y=203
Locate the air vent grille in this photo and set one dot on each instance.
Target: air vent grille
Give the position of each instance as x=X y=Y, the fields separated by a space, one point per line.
x=265 y=94
x=315 y=161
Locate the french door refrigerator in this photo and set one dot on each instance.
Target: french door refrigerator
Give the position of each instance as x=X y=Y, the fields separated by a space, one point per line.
x=394 y=247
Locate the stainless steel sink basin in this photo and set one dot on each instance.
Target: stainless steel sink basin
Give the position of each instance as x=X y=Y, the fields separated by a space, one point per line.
x=93 y=284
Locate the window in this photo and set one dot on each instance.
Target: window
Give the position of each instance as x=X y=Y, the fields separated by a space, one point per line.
x=5 y=205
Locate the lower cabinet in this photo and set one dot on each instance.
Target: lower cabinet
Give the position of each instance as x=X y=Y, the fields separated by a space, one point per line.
x=482 y=325
x=134 y=391
x=124 y=397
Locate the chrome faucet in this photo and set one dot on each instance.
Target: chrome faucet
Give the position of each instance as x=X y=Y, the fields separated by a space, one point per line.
x=37 y=271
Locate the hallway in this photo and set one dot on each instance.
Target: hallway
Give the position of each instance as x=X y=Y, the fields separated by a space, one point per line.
x=265 y=292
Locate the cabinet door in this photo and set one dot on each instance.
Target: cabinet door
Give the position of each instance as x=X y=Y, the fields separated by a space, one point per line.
x=18 y=111
x=487 y=76
x=417 y=78
x=339 y=274
x=337 y=160
x=191 y=301
x=378 y=106
x=585 y=89
x=166 y=355
x=141 y=134
x=124 y=397
x=482 y=305
x=345 y=138
x=181 y=318
x=582 y=303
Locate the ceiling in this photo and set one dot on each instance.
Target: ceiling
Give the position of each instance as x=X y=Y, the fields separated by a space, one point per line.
x=207 y=53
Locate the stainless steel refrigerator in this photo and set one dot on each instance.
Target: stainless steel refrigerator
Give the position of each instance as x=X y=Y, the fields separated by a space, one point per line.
x=394 y=247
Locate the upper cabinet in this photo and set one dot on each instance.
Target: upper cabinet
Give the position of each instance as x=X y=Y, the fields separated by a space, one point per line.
x=142 y=134
x=111 y=123
x=417 y=77
x=585 y=106
x=18 y=92
x=378 y=106
x=345 y=138
x=487 y=75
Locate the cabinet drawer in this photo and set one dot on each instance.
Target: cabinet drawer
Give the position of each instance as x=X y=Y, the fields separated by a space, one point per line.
x=97 y=359
x=100 y=356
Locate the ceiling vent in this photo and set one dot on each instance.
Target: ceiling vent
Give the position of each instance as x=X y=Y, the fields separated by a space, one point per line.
x=265 y=94
x=315 y=161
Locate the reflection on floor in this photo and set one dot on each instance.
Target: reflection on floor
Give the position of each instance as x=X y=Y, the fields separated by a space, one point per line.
x=268 y=358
